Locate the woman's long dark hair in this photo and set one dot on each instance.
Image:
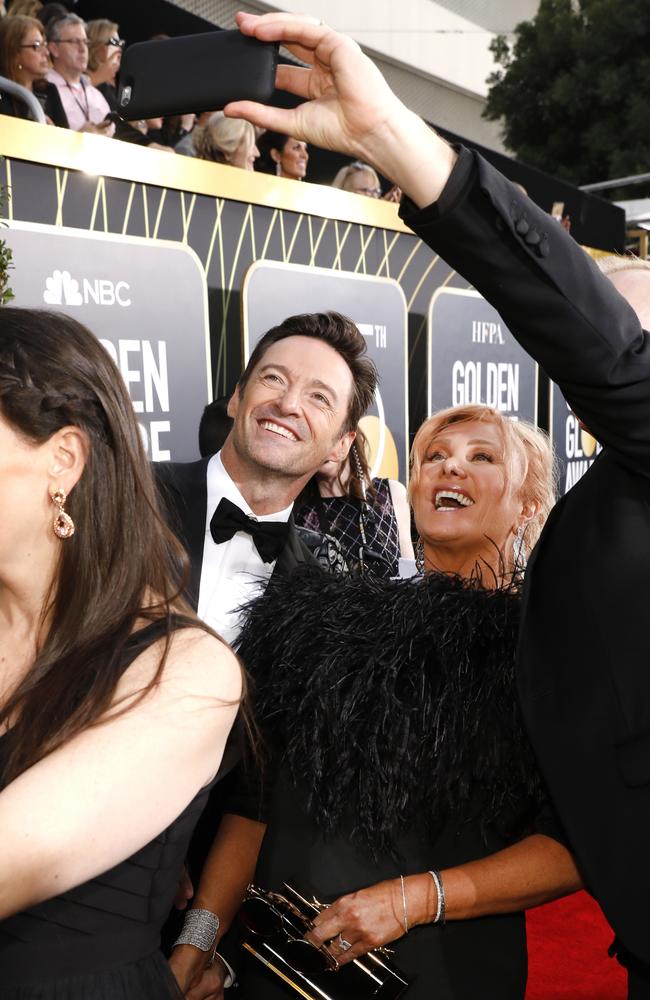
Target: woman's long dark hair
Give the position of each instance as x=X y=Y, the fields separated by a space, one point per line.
x=122 y=564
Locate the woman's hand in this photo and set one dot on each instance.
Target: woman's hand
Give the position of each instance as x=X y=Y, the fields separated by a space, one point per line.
x=366 y=919
x=348 y=106
x=198 y=977
x=188 y=964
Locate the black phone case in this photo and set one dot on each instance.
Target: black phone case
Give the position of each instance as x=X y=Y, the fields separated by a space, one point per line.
x=194 y=73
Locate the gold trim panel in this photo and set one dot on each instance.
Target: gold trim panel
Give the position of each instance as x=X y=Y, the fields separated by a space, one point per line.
x=99 y=156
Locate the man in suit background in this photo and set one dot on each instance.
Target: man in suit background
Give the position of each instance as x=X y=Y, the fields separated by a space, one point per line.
x=297 y=404
x=583 y=673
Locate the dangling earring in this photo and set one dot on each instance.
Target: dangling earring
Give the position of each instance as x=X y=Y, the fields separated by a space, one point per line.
x=278 y=170
x=419 y=556
x=358 y=469
x=20 y=66
x=63 y=525
x=519 y=549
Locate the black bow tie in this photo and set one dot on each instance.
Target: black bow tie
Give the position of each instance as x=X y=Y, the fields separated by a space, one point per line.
x=269 y=536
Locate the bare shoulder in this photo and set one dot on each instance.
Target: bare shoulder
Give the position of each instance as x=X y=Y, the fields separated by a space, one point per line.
x=397 y=490
x=197 y=663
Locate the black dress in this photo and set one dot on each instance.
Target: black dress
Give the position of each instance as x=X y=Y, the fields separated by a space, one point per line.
x=399 y=749
x=100 y=941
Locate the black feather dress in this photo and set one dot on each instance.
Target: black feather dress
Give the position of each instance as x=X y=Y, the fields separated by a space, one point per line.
x=395 y=746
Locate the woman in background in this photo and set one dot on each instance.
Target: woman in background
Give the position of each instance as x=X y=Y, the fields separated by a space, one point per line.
x=283 y=156
x=24 y=59
x=115 y=702
x=104 y=57
x=226 y=141
x=369 y=517
x=360 y=178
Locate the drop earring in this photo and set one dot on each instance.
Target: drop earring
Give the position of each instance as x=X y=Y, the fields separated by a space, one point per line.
x=63 y=525
x=419 y=556
x=519 y=549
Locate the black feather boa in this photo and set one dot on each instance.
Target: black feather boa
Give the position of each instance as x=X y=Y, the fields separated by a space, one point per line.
x=393 y=701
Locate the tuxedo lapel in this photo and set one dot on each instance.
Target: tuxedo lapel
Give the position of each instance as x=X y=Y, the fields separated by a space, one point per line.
x=184 y=487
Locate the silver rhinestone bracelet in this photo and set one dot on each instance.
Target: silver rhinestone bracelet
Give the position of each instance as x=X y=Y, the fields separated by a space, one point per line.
x=199 y=929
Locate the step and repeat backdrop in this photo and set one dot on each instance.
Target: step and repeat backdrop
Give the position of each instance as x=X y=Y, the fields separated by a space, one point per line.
x=160 y=343
x=180 y=265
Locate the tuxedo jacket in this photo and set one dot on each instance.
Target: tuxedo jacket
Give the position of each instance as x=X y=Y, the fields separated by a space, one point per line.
x=584 y=656
x=184 y=491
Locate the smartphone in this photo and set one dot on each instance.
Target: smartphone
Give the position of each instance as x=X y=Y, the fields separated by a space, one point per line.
x=174 y=76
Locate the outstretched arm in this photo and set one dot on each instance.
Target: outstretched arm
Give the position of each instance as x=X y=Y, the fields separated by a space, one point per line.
x=562 y=310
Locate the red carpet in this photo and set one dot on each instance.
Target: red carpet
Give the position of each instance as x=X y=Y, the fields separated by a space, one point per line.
x=567 y=953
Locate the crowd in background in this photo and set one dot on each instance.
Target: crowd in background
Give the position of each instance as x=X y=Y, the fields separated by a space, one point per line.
x=71 y=68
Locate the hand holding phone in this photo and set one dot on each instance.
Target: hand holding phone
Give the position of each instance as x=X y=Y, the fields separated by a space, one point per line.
x=194 y=73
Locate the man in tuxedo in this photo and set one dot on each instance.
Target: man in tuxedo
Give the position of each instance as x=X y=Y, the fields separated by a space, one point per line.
x=297 y=404
x=583 y=675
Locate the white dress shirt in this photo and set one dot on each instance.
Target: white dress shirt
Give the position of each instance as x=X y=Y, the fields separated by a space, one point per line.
x=233 y=572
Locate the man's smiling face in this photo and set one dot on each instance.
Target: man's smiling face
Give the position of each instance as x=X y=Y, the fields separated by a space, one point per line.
x=291 y=414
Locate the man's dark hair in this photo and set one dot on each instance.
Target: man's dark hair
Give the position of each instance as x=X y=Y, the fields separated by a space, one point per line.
x=341 y=334
x=214 y=427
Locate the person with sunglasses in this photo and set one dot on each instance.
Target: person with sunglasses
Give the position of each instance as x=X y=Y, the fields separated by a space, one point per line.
x=23 y=59
x=105 y=49
x=85 y=107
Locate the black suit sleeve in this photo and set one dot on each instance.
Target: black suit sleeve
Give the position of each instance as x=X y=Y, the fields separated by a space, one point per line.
x=553 y=298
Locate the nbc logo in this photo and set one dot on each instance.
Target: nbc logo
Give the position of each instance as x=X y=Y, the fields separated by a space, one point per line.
x=62 y=289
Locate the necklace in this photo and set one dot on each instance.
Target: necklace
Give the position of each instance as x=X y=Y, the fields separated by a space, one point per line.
x=84 y=110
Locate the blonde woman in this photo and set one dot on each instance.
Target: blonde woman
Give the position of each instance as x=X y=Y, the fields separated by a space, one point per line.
x=226 y=141
x=405 y=793
x=105 y=49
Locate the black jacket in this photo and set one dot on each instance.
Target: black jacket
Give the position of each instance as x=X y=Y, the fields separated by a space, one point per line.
x=584 y=666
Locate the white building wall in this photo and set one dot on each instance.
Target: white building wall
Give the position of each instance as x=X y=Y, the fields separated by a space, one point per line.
x=435 y=53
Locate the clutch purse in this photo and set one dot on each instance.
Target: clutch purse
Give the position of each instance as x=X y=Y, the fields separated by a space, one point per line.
x=274 y=926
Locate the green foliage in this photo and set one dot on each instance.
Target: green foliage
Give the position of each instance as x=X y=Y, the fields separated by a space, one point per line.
x=6 y=257
x=572 y=89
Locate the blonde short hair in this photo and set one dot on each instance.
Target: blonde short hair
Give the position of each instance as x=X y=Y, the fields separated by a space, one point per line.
x=221 y=137
x=26 y=8
x=528 y=453
x=613 y=263
x=99 y=32
x=345 y=174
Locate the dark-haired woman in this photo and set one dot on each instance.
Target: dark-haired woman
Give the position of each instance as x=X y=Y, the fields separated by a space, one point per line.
x=406 y=795
x=282 y=155
x=115 y=703
x=24 y=59
x=369 y=517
